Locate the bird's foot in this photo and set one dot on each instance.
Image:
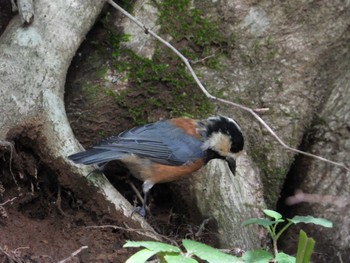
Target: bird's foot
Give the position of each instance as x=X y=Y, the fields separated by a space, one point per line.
x=139 y=210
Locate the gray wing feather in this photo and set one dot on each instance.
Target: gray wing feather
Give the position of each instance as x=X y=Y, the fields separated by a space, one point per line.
x=158 y=141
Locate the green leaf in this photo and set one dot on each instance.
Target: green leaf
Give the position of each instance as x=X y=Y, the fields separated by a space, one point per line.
x=260 y=221
x=313 y=220
x=257 y=256
x=272 y=214
x=179 y=259
x=141 y=256
x=284 y=258
x=305 y=248
x=153 y=245
x=208 y=253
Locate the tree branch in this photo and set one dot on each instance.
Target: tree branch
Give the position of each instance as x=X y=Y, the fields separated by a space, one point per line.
x=75 y=253
x=211 y=97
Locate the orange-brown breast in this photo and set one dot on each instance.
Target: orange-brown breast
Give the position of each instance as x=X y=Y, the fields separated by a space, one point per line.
x=187 y=125
x=160 y=173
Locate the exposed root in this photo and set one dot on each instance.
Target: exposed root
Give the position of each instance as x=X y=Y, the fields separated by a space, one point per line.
x=75 y=253
x=7 y=144
x=59 y=202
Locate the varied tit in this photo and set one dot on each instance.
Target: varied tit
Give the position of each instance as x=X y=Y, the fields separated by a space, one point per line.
x=168 y=150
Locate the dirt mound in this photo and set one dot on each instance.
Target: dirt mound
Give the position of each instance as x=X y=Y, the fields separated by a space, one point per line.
x=41 y=221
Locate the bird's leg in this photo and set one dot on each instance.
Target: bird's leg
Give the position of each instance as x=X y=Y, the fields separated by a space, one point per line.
x=147 y=185
x=98 y=169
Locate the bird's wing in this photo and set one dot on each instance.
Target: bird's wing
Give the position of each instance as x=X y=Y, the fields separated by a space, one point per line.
x=161 y=142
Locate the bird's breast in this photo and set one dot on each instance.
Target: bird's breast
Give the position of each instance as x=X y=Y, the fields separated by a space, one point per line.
x=160 y=173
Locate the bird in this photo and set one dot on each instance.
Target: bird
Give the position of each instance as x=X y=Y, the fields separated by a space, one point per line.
x=168 y=150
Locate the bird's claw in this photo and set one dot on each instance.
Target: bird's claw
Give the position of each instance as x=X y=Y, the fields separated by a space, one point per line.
x=139 y=210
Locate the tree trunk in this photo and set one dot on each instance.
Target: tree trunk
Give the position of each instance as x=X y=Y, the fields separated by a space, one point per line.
x=323 y=189
x=33 y=64
x=292 y=58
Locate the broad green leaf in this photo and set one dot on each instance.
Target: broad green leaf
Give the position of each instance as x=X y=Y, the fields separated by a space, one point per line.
x=305 y=248
x=208 y=253
x=153 y=245
x=179 y=259
x=257 y=256
x=260 y=221
x=310 y=219
x=284 y=258
x=141 y=256
x=272 y=214
x=301 y=246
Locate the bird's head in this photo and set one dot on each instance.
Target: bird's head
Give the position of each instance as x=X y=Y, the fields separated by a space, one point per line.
x=224 y=140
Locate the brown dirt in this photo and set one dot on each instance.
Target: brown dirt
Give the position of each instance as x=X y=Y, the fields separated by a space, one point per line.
x=42 y=221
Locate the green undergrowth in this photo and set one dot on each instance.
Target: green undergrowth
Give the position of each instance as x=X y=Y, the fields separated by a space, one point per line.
x=194 y=252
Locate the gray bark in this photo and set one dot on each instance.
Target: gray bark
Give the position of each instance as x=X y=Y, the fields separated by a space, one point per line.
x=293 y=57
x=290 y=57
x=327 y=187
x=33 y=65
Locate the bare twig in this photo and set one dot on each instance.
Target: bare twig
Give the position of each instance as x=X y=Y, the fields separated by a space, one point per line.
x=59 y=202
x=26 y=11
x=10 y=200
x=6 y=254
x=211 y=97
x=3 y=212
x=137 y=192
x=13 y=256
x=301 y=197
x=261 y=109
x=340 y=257
x=14 y=6
x=75 y=253
x=202 y=59
x=202 y=227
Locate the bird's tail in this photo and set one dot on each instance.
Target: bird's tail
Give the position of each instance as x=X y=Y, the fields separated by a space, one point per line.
x=95 y=156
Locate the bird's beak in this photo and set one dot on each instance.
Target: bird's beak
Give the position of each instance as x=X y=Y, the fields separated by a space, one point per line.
x=231 y=161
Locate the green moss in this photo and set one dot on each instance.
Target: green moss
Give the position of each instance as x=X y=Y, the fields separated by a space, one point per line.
x=90 y=90
x=195 y=36
x=273 y=174
x=101 y=72
x=163 y=82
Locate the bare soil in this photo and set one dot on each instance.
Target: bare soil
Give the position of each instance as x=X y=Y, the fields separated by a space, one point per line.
x=41 y=221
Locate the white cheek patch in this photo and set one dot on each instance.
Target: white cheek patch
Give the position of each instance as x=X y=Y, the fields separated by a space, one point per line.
x=219 y=142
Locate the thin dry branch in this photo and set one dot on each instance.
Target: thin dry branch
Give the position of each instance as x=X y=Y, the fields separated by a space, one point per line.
x=325 y=200
x=211 y=97
x=8 y=201
x=75 y=253
x=26 y=11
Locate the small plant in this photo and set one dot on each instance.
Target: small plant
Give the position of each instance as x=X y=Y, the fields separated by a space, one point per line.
x=173 y=254
x=305 y=244
x=195 y=250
